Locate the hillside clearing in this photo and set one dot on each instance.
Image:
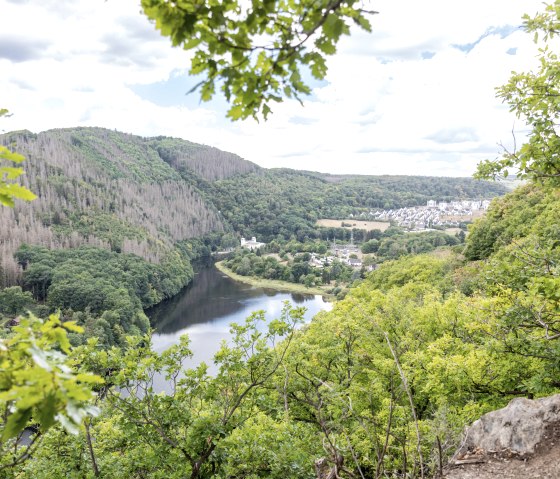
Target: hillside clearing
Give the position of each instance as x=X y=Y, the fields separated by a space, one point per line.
x=358 y=224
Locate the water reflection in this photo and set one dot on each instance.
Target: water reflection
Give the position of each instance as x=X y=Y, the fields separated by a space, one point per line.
x=206 y=308
x=211 y=295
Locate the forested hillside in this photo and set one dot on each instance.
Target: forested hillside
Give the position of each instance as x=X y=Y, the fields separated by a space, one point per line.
x=112 y=190
x=206 y=162
x=138 y=195
x=381 y=386
x=282 y=202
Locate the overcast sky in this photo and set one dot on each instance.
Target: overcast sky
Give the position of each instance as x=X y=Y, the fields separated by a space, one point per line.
x=414 y=97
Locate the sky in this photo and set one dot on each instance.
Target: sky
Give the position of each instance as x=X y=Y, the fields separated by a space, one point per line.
x=415 y=97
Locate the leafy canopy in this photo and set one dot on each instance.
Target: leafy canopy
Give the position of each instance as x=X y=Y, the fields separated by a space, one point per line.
x=534 y=96
x=9 y=190
x=39 y=387
x=256 y=51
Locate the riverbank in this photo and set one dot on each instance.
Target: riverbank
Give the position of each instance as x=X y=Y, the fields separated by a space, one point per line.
x=274 y=284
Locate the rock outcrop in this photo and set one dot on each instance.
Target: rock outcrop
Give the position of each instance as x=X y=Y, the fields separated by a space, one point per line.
x=521 y=440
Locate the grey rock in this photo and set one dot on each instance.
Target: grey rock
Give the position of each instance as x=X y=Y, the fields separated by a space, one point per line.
x=516 y=430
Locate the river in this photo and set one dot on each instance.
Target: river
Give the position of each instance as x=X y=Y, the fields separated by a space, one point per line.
x=205 y=309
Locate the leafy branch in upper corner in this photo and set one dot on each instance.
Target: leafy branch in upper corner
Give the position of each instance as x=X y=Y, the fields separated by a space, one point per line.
x=535 y=97
x=9 y=190
x=257 y=52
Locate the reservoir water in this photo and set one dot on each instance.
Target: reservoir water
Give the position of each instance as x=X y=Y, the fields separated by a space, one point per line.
x=205 y=309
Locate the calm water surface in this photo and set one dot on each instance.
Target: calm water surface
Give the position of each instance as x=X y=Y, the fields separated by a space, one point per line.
x=206 y=308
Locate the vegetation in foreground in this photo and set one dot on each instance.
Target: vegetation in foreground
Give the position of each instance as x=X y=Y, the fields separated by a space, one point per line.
x=380 y=386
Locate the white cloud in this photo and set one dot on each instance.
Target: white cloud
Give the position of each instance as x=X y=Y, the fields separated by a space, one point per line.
x=402 y=100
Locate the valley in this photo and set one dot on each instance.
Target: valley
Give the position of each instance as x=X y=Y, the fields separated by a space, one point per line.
x=342 y=306
x=118 y=212
x=107 y=250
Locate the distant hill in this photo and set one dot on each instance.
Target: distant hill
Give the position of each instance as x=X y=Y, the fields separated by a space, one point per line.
x=141 y=195
x=110 y=189
x=284 y=202
x=204 y=161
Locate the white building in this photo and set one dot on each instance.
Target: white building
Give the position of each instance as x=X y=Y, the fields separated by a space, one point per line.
x=253 y=244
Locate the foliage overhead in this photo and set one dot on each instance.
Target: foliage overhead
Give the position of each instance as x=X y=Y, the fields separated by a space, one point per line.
x=533 y=96
x=257 y=52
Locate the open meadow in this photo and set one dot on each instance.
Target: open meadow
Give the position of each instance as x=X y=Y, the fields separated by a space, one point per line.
x=359 y=224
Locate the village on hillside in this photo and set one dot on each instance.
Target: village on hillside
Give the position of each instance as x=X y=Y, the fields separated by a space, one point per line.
x=420 y=218
x=434 y=215
x=348 y=254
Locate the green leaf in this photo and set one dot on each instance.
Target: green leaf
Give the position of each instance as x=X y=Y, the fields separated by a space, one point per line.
x=62 y=338
x=89 y=378
x=17 y=191
x=46 y=412
x=6 y=154
x=266 y=111
x=11 y=173
x=5 y=199
x=333 y=26
x=17 y=421
x=235 y=112
x=72 y=326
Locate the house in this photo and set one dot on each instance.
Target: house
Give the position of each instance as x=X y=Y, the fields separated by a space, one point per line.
x=317 y=261
x=354 y=262
x=253 y=244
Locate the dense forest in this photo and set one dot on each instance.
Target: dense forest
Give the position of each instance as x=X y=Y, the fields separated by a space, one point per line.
x=380 y=386
x=142 y=196
x=110 y=190
x=285 y=203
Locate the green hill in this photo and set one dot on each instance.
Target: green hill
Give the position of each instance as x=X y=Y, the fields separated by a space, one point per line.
x=112 y=190
x=283 y=202
x=119 y=218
